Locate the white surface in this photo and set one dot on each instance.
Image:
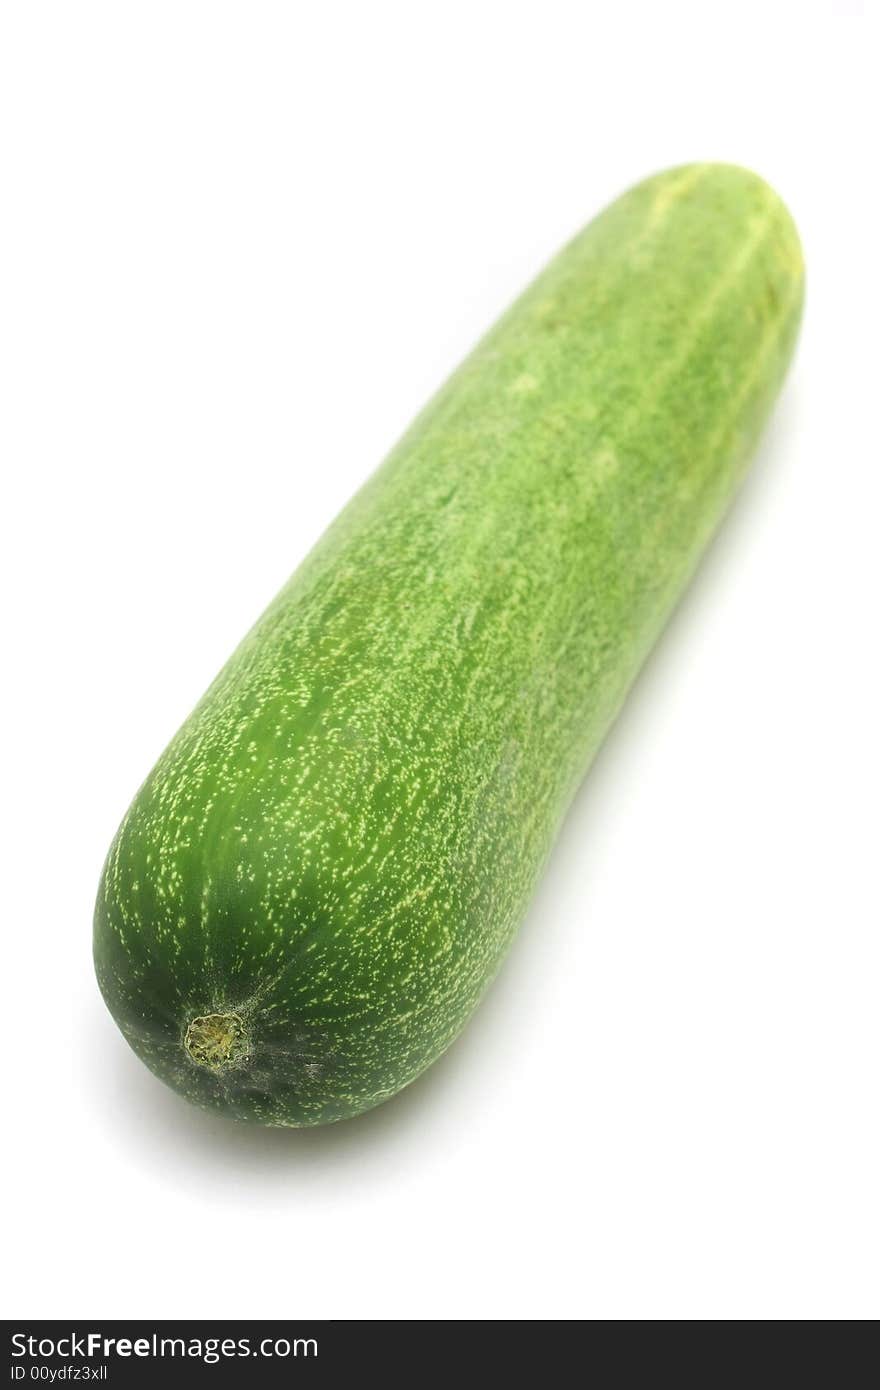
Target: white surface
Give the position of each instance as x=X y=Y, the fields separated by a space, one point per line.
x=241 y=244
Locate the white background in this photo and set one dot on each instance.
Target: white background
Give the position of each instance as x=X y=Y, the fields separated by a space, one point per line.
x=241 y=244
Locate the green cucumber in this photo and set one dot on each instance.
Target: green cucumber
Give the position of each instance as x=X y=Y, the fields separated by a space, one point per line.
x=321 y=875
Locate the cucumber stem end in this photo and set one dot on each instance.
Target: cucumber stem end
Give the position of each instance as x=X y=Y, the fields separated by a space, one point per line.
x=216 y=1041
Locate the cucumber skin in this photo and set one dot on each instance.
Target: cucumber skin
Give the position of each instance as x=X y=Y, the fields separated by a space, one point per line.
x=339 y=843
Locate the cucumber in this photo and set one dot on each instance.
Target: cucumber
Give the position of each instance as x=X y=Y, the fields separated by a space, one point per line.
x=321 y=875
